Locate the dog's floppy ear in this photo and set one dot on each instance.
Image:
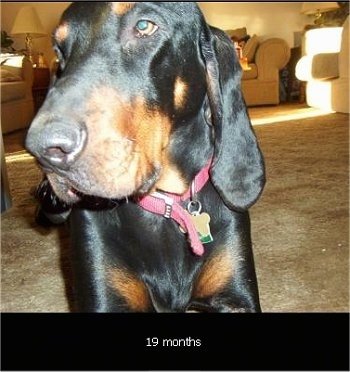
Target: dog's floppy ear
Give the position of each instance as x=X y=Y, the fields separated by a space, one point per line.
x=238 y=171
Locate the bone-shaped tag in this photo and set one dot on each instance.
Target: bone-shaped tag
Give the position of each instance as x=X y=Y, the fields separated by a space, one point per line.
x=201 y=222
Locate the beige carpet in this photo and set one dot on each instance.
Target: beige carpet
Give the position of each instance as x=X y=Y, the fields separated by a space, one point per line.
x=300 y=226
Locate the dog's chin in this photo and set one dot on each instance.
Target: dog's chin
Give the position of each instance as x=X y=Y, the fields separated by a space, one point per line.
x=72 y=193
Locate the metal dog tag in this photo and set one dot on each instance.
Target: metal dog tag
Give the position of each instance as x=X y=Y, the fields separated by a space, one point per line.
x=201 y=223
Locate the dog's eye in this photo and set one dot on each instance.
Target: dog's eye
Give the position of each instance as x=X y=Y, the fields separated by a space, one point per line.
x=145 y=28
x=59 y=63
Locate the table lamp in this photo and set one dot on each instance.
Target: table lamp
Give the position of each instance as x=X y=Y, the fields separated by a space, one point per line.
x=28 y=23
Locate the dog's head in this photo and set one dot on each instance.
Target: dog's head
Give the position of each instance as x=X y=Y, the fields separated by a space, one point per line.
x=127 y=111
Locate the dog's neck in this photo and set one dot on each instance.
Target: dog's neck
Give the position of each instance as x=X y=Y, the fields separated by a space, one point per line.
x=196 y=186
x=169 y=206
x=197 y=138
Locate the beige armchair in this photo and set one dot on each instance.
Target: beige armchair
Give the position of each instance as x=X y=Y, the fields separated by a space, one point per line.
x=261 y=84
x=325 y=68
x=261 y=80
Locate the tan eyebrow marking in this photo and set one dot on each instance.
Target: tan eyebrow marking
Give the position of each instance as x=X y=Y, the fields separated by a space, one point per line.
x=62 y=32
x=120 y=8
x=180 y=92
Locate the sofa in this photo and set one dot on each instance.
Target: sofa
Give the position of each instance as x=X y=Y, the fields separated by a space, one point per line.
x=17 y=104
x=325 y=68
x=266 y=58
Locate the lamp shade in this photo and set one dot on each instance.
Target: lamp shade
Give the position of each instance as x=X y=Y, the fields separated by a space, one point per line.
x=316 y=8
x=28 y=22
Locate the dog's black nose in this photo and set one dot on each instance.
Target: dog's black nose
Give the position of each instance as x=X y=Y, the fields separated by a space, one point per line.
x=57 y=144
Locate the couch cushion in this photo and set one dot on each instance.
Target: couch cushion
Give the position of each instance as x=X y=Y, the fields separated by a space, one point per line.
x=11 y=91
x=252 y=73
x=7 y=76
x=325 y=66
x=344 y=51
x=250 y=48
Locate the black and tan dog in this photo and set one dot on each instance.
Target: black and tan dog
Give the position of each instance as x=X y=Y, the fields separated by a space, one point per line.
x=148 y=151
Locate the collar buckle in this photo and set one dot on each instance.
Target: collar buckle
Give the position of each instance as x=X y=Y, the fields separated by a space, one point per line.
x=168 y=203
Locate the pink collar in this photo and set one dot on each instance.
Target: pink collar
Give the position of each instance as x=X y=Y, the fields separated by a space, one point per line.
x=168 y=205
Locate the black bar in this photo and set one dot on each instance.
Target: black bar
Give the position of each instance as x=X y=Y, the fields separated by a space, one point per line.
x=175 y=342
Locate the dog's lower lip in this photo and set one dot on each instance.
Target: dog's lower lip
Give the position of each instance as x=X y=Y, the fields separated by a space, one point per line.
x=72 y=192
x=44 y=166
x=47 y=170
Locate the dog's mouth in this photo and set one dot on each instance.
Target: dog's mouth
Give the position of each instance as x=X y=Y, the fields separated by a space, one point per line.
x=71 y=191
x=64 y=189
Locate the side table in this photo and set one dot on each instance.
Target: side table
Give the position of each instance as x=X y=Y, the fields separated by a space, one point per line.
x=40 y=85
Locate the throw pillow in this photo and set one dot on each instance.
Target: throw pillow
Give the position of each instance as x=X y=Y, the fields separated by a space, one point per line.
x=250 y=48
x=237 y=34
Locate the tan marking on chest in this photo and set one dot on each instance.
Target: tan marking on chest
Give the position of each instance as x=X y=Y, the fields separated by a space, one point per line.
x=215 y=275
x=132 y=289
x=120 y=8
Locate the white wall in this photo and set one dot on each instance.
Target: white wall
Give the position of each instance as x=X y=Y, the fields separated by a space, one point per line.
x=266 y=19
